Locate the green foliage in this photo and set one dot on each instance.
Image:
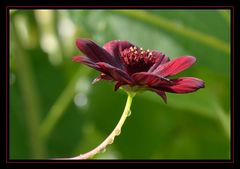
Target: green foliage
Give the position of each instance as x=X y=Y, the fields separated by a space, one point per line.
x=56 y=112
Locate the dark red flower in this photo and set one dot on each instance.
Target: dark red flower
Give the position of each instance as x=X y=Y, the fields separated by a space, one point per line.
x=130 y=65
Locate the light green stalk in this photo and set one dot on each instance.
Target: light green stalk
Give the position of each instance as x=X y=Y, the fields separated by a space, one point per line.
x=110 y=138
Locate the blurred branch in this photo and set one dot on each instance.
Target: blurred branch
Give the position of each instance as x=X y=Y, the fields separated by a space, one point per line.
x=171 y=26
x=224 y=119
x=28 y=87
x=59 y=107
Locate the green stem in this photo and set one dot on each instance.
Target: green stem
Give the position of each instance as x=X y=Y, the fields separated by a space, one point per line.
x=224 y=119
x=57 y=110
x=110 y=138
x=30 y=95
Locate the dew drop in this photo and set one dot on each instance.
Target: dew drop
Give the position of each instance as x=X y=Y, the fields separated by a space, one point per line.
x=111 y=141
x=103 y=150
x=129 y=113
x=118 y=132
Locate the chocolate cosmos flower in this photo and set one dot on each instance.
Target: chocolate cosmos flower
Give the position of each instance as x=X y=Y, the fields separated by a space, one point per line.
x=136 y=68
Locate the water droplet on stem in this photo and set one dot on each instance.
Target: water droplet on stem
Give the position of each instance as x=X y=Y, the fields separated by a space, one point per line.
x=103 y=150
x=129 y=113
x=111 y=140
x=118 y=132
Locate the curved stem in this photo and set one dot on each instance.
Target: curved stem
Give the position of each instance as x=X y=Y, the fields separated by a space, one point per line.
x=110 y=138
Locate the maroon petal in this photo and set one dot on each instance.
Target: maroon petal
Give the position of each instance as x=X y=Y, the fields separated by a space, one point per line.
x=117 y=85
x=95 y=52
x=149 y=79
x=86 y=61
x=115 y=73
x=175 y=66
x=160 y=93
x=161 y=59
x=100 y=77
x=184 y=85
x=115 y=48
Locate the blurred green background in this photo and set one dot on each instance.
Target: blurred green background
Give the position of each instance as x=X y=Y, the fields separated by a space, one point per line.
x=56 y=112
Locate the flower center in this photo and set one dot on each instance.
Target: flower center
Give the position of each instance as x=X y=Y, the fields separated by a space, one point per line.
x=137 y=59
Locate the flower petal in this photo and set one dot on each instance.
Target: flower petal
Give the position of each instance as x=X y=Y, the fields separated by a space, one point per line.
x=115 y=73
x=161 y=59
x=184 y=85
x=86 y=61
x=95 y=52
x=175 y=66
x=100 y=77
x=160 y=93
x=117 y=85
x=115 y=48
x=149 y=79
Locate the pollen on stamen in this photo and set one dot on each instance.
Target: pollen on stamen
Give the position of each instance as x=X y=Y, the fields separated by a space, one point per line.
x=138 y=57
x=131 y=49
